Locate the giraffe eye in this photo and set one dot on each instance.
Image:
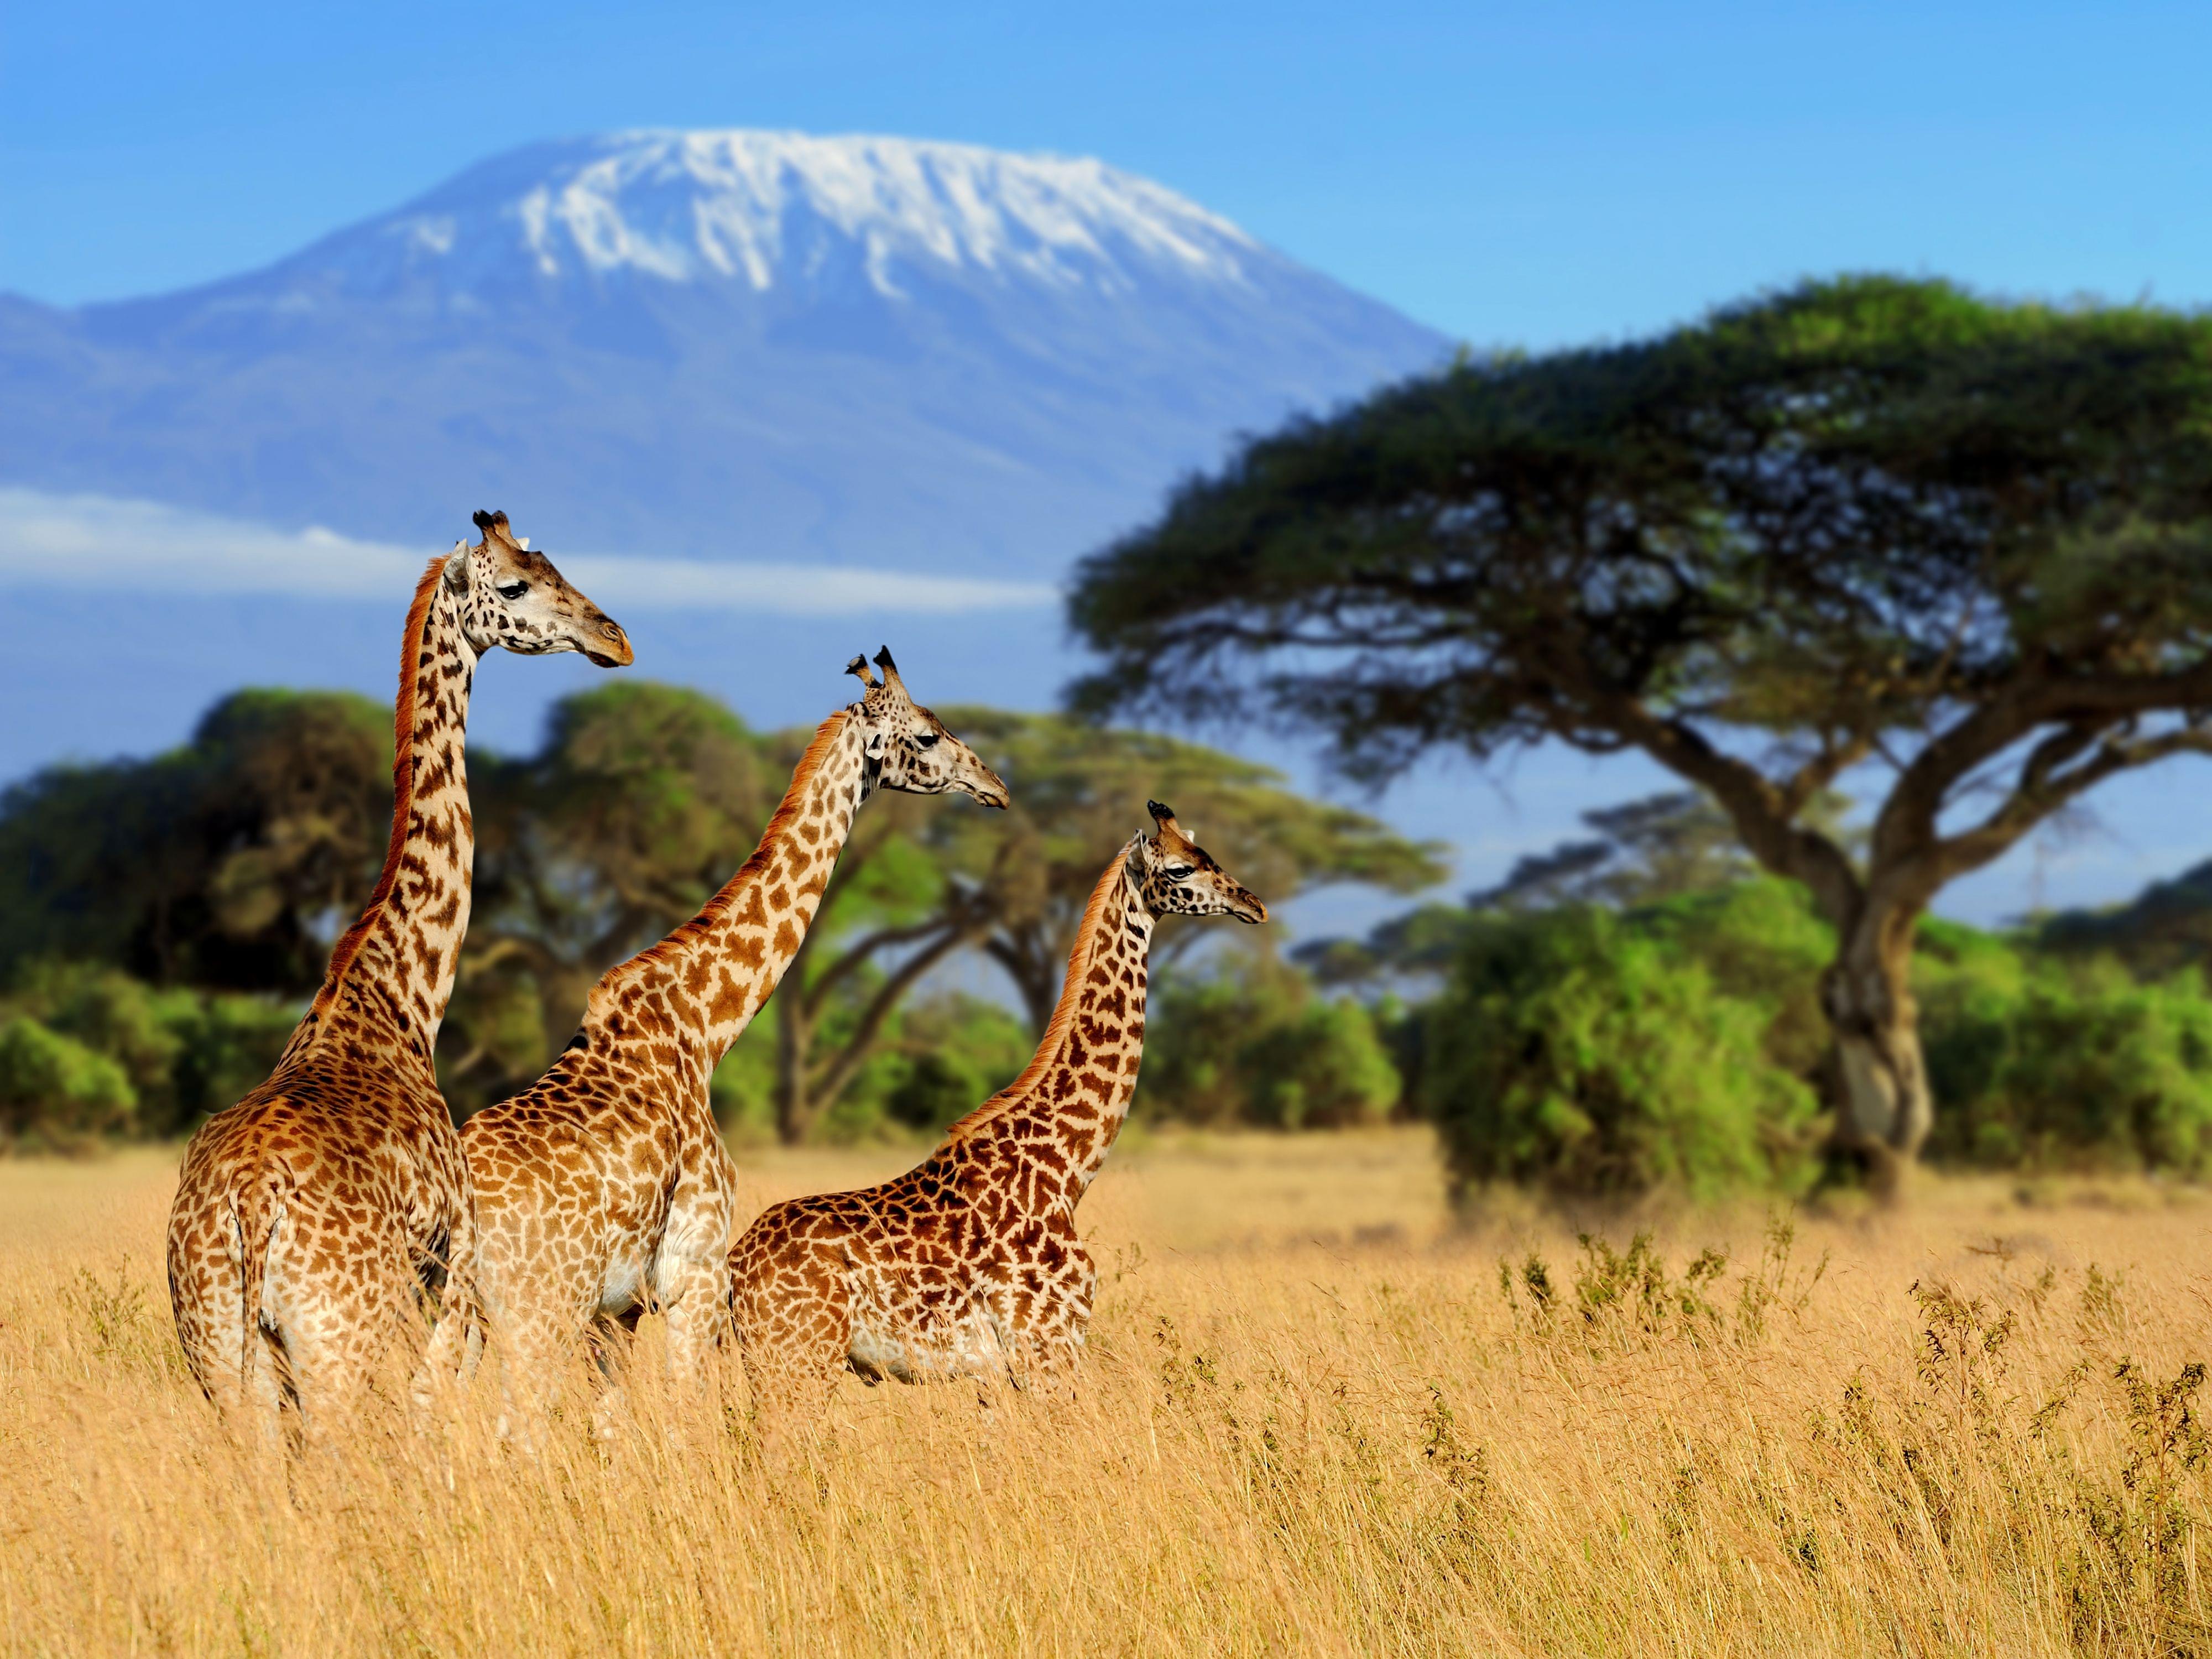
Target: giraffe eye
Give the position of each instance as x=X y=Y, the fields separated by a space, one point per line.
x=513 y=589
x=927 y=740
x=1177 y=871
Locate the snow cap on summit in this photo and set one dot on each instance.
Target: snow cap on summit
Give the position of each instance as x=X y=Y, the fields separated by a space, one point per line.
x=760 y=209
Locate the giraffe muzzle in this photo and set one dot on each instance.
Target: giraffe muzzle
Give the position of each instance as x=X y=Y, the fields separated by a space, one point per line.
x=617 y=654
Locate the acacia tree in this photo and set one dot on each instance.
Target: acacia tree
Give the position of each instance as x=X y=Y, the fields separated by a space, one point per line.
x=230 y=860
x=1867 y=526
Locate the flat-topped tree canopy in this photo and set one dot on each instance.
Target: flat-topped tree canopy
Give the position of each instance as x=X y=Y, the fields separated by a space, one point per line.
x=1863 y=521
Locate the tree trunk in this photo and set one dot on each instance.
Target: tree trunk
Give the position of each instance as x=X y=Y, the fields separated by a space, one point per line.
x=1883 y=1107
x=1034 y=970
x=794 y=1108
x=1039 y=998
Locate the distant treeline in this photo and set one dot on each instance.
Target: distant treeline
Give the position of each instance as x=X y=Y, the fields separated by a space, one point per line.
x=162 y=920
x=1635 y=1009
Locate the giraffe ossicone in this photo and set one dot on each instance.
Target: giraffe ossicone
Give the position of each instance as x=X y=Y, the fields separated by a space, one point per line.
x=311 y=1216
x=604 y=1190
x=969 y=1264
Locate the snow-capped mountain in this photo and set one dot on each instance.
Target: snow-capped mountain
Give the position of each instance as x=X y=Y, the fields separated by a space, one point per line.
x=721 y=345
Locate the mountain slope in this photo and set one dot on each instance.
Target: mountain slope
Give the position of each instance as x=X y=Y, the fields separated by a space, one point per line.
x=723 y=345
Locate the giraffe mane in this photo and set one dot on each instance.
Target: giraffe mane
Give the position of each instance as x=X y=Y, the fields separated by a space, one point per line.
x=402 y=780
x=779 y=825
x=1063 y=1014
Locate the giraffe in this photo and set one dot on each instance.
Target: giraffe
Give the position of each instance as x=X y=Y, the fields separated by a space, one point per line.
x=604 y=1190
x=969 y=1264
x=311 y=1216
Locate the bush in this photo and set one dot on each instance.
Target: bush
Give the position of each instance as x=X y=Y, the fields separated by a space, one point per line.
x=55 y=1091
x=1760 y=944
x=1250 y=1041
x=1576 y=1053
x=938 y=1059
x=2046 y=1065
x=182 y=1052
x=954 y=1053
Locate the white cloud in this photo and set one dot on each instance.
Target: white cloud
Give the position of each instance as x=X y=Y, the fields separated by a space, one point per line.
x=101 y=543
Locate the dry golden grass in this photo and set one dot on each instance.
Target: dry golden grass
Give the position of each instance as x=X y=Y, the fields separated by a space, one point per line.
x=1310 y=1422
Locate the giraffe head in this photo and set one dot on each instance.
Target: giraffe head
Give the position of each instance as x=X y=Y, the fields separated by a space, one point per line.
x=513 y=598
x=1179 y=877
x=909 y=746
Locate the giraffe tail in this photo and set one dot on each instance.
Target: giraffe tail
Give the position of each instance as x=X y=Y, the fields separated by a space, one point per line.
x=258 y=1205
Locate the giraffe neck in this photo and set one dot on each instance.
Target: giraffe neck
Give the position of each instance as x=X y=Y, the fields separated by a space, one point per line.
x=1063 y=1113
x=392 y=972
x=721 y=965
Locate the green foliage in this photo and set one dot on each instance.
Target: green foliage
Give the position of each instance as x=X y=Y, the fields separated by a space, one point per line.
x=2167 y=927
x=1080 y=796
x=181 y=1053
x=642 y=799
x=1658 y=847
x=1761 y=944
x=953 y=1053
x=56 y=1091
x=1247 y=1041
x=938 y=1059
x=1866 y=516
x=1575 y=1054
x=2053 y=1065
x=1803 y=496
x=925 y=879
x=232 y=861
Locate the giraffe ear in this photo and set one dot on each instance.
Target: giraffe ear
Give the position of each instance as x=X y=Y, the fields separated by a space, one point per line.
x=456 y=570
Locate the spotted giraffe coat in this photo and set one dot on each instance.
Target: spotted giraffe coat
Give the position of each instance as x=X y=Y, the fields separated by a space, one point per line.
x=969 y=1264
x=604 y=1190
x=311 y=1216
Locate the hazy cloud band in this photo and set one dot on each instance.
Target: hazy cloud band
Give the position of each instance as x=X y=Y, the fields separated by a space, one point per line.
x=101 y=543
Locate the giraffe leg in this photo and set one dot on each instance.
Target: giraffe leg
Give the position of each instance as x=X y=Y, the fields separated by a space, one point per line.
x=239 y=1366
x=207 y=1297
x=332 y=1363
x=532 y=1350
x=794 y=1353
x=613 y=1348
x=695 y=1302
x=457 y=1338
x=344 y=1330
x=1062 y=1336
x=449 y=1356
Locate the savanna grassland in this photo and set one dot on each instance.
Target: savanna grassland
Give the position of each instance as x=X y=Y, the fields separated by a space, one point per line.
x=1315 y=1418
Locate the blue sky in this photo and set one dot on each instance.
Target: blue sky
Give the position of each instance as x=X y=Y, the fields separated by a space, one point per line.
x=1511 y=174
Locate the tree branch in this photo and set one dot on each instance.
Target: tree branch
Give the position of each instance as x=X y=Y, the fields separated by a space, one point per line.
x=2044 y=787
x=1762 y=812
x=857 y=954
x=830 y=1083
